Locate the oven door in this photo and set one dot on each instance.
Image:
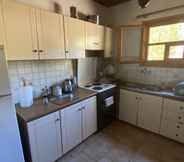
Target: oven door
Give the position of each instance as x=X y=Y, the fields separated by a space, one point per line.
x=108 y=111
x=106 y=108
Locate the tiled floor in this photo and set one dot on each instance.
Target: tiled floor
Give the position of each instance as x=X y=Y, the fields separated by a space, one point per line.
x=124 y=143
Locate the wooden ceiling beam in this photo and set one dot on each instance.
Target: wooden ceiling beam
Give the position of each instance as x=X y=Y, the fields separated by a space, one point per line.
x=110 y=3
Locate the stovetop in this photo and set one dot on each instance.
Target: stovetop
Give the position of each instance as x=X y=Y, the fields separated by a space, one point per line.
x=98 y=87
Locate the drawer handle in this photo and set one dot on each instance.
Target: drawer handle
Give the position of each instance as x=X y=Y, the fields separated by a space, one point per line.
x=177 y=135
x=180 y=117
x=181 y=108
x=178 y=126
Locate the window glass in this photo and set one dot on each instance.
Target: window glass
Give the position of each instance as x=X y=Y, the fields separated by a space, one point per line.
x=156 y=52
x=176 y=52
x=166 y=33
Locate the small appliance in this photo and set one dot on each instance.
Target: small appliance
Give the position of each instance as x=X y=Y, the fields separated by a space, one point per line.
x=56 y=90
x=67 y=86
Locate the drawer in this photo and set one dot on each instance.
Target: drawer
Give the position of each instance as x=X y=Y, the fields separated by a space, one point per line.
x=172 y=129
x=175 y=107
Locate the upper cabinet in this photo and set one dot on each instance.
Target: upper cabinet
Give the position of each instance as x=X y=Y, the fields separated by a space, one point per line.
x=50 y=30
x=108 y=42
x=32 y=33
x=74 y=38
x=19 y=28
x=129 y=42
x=94 y=36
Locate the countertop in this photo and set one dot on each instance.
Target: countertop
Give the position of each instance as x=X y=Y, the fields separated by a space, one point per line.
x=162 y=93
x=38 y=109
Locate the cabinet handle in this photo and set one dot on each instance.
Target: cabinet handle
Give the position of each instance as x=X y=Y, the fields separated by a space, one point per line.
x=41 y=51
x=35 y=51
x=95 y=43
x=181 y=123
x=66 y=51
x=181 y=108
x=179 y=117
x=178 y=126
x=57 y=120
x=177 y=135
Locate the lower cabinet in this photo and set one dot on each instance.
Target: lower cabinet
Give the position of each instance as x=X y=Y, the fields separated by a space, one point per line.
x=141 y=110
x=45 y=138
x=150 y=111
x=78 y=122
x=128 y=106
x=71 y=124
x=89 y=117
x=172 y=125
x=55 y=134
x=156 y=114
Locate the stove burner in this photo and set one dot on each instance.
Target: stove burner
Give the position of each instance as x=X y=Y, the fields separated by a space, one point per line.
x=97 y=88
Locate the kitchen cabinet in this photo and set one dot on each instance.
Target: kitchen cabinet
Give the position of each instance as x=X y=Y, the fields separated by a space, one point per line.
x=89 y=117
x=74 y=38
x=20 y=33
x=141 y=110
x=32 y=34
x=79 y=121
x=129 y=106
x=172 y=125
x=50 y=30
x=108 y=42
x=71 y=127
x=45 y=138
x=150 y=110
x=94 y=36
x=130 y=43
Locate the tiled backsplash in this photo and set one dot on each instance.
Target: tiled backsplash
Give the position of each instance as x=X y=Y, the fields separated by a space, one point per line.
x=39 y=73
x=150 y=75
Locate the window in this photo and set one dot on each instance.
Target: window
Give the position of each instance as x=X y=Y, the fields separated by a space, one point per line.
x=164 y=41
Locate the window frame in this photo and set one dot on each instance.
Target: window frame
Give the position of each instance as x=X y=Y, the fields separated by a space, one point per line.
x=145 y=43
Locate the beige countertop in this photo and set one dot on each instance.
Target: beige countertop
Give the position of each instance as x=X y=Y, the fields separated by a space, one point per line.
x=145 y=90
x=38 y=109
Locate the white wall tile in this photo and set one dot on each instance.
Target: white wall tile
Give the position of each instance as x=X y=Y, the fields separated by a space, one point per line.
x=39 y=73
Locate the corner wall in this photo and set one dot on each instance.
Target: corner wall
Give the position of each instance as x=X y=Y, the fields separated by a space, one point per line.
x=126 y=13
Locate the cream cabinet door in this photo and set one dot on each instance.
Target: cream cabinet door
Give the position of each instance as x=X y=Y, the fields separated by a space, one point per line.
x=45 y=138
x=21 y=41
x=74 y=38
x=94 y=36
x=89 y=117
x=50 y=35
x=150 y=111
x=108 y=42
x=128 y=110
x=71 y=125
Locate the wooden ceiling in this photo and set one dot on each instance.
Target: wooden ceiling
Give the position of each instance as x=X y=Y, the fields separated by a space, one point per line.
x=110 y=3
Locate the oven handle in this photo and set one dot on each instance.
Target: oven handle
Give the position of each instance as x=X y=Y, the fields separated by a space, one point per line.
x=109 y=101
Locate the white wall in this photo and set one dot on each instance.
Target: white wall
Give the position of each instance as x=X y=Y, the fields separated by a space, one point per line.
x=127 y=12
x=85 y=6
